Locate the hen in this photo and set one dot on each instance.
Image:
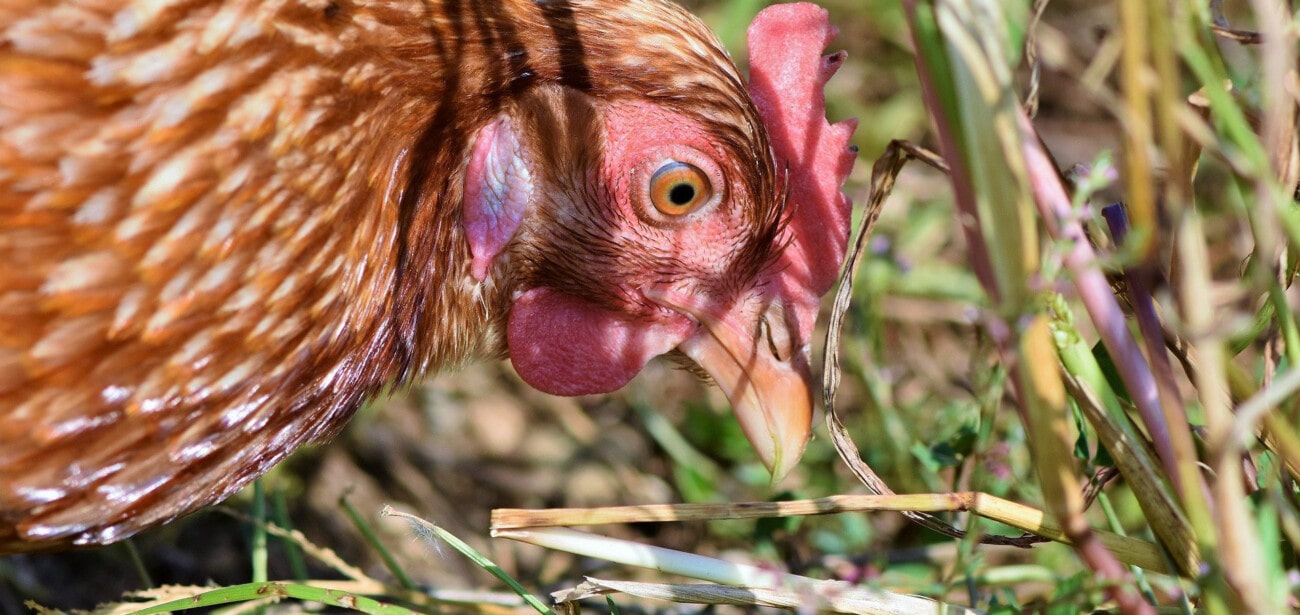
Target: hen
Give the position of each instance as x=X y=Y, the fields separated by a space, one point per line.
x=226 y=224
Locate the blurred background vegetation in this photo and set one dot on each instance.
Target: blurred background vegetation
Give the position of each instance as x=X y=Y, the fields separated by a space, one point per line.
x=927 y=393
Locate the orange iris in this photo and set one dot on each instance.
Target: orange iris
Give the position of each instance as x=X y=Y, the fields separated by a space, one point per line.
x=678 y=188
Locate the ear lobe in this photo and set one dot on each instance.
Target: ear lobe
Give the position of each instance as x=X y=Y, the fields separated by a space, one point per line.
x=565 y=345
x=498 y=188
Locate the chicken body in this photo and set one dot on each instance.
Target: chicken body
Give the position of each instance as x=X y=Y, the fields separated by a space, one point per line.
x=225 y=225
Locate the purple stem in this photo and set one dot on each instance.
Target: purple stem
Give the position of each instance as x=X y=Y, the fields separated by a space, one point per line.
x=1095 y=292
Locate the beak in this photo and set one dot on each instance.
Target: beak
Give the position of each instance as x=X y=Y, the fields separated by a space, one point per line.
x=765 y=376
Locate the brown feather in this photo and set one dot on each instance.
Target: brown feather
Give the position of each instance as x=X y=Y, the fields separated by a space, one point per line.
x=224 y=225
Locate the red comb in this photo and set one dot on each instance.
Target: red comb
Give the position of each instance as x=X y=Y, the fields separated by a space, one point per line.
x=787 y=74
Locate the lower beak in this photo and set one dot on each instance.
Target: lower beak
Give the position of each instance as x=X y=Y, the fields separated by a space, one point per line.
x=769 y=387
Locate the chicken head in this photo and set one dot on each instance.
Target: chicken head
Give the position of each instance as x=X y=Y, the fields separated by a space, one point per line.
x=632 y=230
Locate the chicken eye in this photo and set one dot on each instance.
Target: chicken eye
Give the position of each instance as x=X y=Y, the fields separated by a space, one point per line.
x=678 y=188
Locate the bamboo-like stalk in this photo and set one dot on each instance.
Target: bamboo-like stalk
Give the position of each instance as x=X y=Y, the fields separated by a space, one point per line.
x=1238 y=543
x=1135 y=28
x=1022 y=517
x=1168 y=102
x=1278 y=129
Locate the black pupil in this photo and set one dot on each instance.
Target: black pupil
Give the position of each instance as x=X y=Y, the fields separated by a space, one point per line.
x=681 y=194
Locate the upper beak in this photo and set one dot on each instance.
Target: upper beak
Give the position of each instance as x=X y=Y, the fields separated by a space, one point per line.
x=754 y=358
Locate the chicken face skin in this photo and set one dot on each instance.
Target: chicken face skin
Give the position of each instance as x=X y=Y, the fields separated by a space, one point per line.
x=609 y=273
